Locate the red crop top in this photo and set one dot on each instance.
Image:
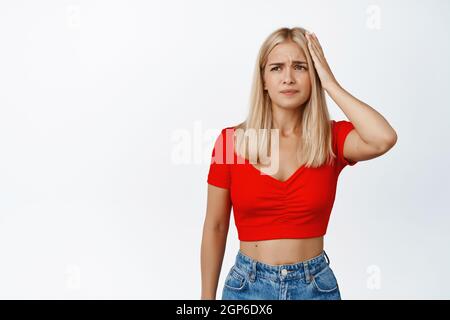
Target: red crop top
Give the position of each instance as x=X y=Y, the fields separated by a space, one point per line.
x=268 y=208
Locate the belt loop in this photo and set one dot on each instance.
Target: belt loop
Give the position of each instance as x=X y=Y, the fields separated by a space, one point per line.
x=307 y=273
x=253 y=271
x=327 y=259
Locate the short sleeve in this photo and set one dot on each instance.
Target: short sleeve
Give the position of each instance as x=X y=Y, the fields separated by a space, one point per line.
x=219 y=173
x=340 y=131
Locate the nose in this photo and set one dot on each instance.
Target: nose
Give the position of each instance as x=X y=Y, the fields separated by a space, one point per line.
x=287 y=77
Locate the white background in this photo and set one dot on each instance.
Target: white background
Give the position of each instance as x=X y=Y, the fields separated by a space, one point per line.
x=108 y=113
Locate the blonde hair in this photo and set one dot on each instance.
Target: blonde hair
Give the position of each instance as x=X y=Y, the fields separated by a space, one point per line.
x=315 y=145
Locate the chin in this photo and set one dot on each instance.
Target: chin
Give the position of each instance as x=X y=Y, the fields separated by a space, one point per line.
x=291 y=105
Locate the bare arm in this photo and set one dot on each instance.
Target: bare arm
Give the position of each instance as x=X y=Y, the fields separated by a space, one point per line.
x=215 y=231
x=373 y=135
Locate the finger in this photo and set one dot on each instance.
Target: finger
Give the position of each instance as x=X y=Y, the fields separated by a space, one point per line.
x=309 y=39
x=318 y=51
x=316 y=41
x=313 y=38
x=314 y=49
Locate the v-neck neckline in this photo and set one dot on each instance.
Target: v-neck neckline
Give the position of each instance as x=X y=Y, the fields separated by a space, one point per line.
x=284 y=182
x=271 y=178
x=260 y=173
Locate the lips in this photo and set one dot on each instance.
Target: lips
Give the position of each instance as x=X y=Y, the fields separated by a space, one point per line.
x=289 y=92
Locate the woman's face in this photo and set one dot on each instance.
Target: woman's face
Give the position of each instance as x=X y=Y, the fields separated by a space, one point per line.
x=287 y=69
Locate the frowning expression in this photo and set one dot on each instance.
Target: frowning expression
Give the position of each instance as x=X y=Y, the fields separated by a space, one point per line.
x=287 y=69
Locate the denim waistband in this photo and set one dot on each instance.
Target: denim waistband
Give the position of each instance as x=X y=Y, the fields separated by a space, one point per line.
x=300 y=270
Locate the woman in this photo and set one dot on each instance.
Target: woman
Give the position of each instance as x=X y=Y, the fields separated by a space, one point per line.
x=282 y=198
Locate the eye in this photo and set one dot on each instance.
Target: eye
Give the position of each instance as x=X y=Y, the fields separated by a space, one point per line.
x=301 y=66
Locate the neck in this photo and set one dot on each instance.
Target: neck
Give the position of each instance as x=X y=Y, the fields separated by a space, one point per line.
x=286 y=120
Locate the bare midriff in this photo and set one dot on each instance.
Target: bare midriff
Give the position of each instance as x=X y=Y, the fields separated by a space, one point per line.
x=282 y=251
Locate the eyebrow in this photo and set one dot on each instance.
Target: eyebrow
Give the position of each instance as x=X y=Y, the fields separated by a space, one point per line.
x=281 y=63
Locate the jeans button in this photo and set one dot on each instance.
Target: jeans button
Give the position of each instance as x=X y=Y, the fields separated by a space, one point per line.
x=284 y=272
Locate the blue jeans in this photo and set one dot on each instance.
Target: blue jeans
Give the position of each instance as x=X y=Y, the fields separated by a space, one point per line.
x=312 y=279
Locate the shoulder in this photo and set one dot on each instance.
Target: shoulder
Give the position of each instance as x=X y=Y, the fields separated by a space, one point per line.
x=224 y=144
x=341 y=128
x=226 y=131
x=340 y=132
x=233 y=128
